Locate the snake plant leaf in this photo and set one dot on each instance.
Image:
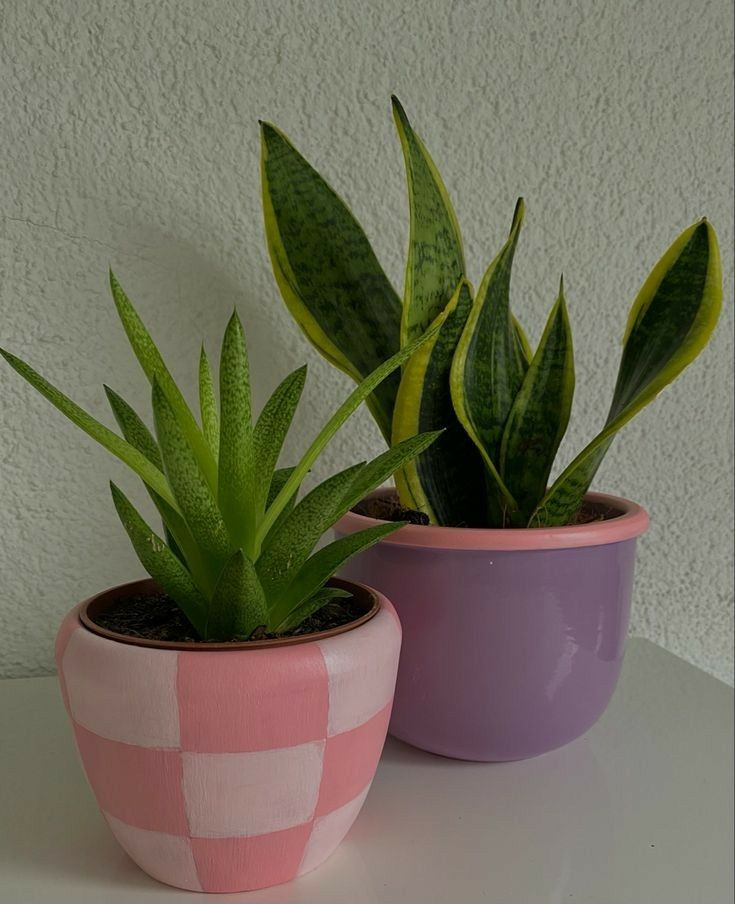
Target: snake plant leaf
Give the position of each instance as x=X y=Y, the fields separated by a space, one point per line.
x=312 y=605
x=323 y=564
x=327 y=271
x=123 y=450
x=669 y=324
x=488 y=368
x=376 y=472
x=208 y=405
x=540 y=415
x=236 y=460
x=347 y=408
x=154 y=368
x=288 y=548
x=524 y=346
x=442 y=482
x=161 y=563
x=238 y=604
x=435 y=256
x=270 y=432
x=189 y=486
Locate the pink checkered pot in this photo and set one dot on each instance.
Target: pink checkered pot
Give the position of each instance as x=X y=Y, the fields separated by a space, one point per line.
x=230 y=769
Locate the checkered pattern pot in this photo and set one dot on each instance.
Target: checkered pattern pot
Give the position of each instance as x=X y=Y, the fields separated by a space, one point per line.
x=225 y=771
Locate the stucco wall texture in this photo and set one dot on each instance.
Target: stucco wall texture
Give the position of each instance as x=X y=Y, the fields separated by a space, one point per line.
x=130 y=138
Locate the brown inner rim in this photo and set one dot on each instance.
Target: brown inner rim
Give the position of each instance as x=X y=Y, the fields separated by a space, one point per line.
x=97 y=604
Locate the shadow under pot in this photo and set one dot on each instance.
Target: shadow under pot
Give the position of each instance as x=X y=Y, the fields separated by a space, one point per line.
x=229 y=767
x=513 y=639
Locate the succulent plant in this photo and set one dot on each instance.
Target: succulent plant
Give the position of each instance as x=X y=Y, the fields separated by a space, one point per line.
x=503 y=408
x=238 y=548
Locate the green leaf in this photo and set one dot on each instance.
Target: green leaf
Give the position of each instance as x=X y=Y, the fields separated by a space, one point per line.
x=671 y=321
x=488 y=370
x=123 y=450
x=323 y=564
x=524 y=346
x=270 y=433
x=191 y=490
x=208 y=405
x=445 y=481
x=155 y=369
x=278 y=481
x=540 y=414
x=161 y=564
x=312 y=605
x=288 y=548
x=327 y=271
x=348 y=407
x=435 y=257
x=238 y=605
x=235 y=490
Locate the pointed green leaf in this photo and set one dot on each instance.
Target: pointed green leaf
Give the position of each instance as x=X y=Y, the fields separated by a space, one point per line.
x=236 y=477
x=348 y=407
x=161 y=564
x=208 y=405
x=435 y=257
x=524 y=347
x=278 y=481
x=288 y=548
x=670 y=322
x=312 y=605
x=326 y=270
x=154 y=368
x=238 y=604
x=191 y=490
x=540 y=414
x=128 y=454
x=270 y=432
x=133 y=428
x=443 y=482
x=323 y=564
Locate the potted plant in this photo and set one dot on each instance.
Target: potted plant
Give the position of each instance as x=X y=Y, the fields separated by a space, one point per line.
x=514 y=595
x=230 y=712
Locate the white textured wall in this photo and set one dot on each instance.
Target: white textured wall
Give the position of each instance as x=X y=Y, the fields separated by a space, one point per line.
x=129 y=135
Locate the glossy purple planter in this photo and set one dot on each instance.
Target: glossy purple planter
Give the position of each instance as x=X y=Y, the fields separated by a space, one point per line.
x=512 y=639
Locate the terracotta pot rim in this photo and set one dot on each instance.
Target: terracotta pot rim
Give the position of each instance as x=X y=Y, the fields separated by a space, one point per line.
x=99 y=600
x=631 y=522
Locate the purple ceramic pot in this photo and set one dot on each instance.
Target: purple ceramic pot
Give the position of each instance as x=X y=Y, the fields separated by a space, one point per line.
x=512 y=639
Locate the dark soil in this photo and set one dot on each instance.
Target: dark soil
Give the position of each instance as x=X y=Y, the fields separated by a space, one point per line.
x=156 y=616
x=388 y=508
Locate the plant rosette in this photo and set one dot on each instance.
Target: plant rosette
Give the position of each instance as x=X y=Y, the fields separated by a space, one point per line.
x=236 y=767
x=513 y=639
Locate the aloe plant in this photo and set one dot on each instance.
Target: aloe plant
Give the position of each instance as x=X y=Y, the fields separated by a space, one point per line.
x=237 y=552
x=503 y=408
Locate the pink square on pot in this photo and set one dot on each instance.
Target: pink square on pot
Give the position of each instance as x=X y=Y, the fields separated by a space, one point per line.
x=139 y=785
x=257 y=700
x=350 y=760
x=264 y=859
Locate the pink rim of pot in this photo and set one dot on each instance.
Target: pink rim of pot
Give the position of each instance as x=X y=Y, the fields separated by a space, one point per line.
x=630 y=521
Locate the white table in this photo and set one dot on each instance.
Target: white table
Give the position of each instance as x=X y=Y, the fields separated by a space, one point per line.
x=639 y=810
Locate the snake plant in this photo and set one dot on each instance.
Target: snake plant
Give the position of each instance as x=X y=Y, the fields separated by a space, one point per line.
x=237 y=552
x=503 y=407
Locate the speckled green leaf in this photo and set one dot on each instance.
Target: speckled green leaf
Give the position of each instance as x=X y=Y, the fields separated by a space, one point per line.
x=289 y=547
x=161 y=564
x=435 y=262
x=540 y=415
x=154 y=368
x=446 y=481
x=123 y=450
x=191 y=491
x=323 y=564
x=238 y=604
x=670 y=322
x=312 y=605
x=270 y=432
x=347 y=408
x=208 y=405
x=235 y=492
x=327 y=271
